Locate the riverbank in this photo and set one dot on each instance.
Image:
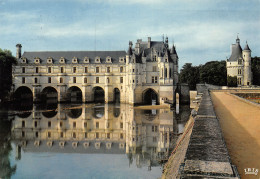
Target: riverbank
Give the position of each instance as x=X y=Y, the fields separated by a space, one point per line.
x=240 y=123
x=171 y=168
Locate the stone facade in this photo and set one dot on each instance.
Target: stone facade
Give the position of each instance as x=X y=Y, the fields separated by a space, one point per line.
x=239 y=64
x=149 y=67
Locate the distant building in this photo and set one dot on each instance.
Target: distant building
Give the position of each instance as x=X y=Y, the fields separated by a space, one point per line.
x=239 y=64
x=147 y=73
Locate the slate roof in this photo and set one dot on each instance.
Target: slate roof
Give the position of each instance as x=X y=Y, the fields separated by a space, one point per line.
x=236 y=52
x=69 y=55
x=247 y=47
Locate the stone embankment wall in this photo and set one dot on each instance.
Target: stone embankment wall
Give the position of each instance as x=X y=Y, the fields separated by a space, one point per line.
x=201 y=153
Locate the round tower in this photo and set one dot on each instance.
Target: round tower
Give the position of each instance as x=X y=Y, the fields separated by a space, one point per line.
x=246 y=53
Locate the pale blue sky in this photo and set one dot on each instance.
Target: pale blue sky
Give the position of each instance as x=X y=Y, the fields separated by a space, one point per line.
x=202 y=30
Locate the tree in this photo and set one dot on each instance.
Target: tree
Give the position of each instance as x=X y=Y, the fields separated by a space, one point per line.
x=232 y=81
x=190 y=74
x=6 y=62
x=255 y=66
x=214 y=72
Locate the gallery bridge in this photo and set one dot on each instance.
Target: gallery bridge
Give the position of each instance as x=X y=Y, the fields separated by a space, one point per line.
x=85 y=94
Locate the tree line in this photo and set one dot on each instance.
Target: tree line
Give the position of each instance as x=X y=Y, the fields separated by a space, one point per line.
x=215 y=73
x=6 y=62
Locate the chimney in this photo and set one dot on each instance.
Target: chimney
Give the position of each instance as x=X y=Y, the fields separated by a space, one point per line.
x=149 y=42
x=18 y=51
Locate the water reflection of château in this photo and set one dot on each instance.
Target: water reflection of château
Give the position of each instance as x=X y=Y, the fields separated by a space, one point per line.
x=112 y=129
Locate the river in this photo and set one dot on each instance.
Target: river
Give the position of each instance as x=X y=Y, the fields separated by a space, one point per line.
x=87 y=141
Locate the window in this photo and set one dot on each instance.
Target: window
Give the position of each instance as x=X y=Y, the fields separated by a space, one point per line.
x=97 y=135
x=239 y=81
x=37 y=70
x=154 y=79
x=121 y=79
x=240 y=61
x=74 y=125
x=61 y=135
x=97 y=125
x=108 y=69
x=74 y=135
x=133 y=70
x=166 y=60
x=74 y=80
x=121 y=136
x=86 y=69
x=154 y=68
x=35 y=80
x=61 y=69
x=74 y=69
x=86 y=135
x=36 y=134
x=154 y=128
x=49 y=69
x=49 y=123
x=239 y=71
x=166 y=74
x=85 y=124
x=49 y=79
x=23 y=123
x=154 y=58
x=108 y=80
x=61 y=80
x=121 y=125
x=23 y=133
x=61 y=124
x=108 y=135
x=121 y=69
x=23 y=70
x=154 y=139
x=85 y=80
x=97 y=79
x=49 y=134
x=97 y=69
x=23 y=80
x=35 y=124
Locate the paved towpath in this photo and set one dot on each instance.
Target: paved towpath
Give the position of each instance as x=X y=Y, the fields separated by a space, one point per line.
x=240 y=123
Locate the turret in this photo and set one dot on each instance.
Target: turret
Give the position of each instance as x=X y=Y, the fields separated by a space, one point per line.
x=18 y=51
x=246 y=53
x=129 y=52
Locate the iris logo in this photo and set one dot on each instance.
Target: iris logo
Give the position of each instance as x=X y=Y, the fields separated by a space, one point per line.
x=251 y=171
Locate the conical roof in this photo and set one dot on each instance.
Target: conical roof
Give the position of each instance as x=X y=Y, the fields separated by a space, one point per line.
x=247 y=47
x=236 y=52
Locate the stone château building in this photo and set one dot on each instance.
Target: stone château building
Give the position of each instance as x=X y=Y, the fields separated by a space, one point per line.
x=239 y=64
x=147 y=73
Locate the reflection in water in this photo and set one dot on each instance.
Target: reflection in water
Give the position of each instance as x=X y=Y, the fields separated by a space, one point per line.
x=144 y=136
x=6 y=169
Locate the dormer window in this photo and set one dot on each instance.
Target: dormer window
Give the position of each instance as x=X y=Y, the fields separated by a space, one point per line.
x=86 y=60
x=49 y=60
x=240 y=61
x=166 y=59
x=24 y=60
x=62 y=60
x=121 y=60
x=36 y=60
x=108 y=60
x=154 y=58
x=97 y=60
x=75 y=60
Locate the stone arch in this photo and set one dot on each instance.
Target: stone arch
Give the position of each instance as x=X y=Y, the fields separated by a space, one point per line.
x=150 y=96
x=75 y=112
x=74 y=94
x=116 y=95
x=49 y=94
x=98 y=94
x=23 y=93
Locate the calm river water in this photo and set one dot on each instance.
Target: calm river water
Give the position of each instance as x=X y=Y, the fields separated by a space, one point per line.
x=87 y=141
